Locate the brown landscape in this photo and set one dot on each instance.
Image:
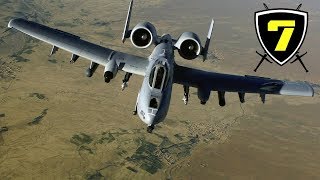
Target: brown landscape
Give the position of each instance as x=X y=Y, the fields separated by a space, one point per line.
x=58 y=124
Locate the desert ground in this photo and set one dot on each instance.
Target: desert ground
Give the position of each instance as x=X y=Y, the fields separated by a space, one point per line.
x=58 y=124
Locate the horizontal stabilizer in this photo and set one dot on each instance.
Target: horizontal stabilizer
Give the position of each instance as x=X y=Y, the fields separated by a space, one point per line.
x=296 y=89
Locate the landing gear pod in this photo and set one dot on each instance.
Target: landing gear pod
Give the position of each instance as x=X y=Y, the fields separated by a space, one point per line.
x=110 y=71
x=92 y=68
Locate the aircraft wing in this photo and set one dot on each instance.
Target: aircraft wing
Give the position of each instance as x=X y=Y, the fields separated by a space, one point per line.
x=242 y=84
x=80 y=48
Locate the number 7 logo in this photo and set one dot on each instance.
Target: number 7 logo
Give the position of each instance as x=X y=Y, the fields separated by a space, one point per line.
x=287 y=32
x=281 y=32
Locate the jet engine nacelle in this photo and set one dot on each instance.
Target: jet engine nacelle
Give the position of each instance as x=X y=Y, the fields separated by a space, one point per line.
x=143 y=35
x=188 y=45
x=203 y=95
x=110 y=71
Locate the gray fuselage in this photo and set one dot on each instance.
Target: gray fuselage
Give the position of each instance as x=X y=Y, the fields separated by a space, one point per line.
x=154 y=97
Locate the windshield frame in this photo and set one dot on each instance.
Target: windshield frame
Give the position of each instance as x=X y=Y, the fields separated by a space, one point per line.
x=154 y=74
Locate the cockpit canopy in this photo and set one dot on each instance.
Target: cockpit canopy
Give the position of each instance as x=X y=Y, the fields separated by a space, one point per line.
x=158 y=77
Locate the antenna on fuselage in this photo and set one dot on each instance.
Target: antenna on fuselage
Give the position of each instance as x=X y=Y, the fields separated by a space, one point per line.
x=126 y=32
x=206 y=46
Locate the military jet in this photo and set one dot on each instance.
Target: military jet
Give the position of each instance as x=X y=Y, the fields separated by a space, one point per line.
x=160 y=70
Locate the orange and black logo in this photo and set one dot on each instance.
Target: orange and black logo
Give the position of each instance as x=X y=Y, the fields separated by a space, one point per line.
x=281 y=33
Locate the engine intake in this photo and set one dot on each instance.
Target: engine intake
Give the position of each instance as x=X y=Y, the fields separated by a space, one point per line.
x=188 y=45
x=143 y=35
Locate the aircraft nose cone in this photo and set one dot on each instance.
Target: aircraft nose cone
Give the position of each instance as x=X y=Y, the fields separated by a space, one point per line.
x=149 y=119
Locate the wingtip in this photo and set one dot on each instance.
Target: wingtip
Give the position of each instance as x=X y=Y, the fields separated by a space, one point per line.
x=297 y=89
x=311 y=90
x=10 y=23
x=312 y=95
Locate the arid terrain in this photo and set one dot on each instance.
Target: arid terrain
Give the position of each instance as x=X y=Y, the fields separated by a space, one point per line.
x=58 y=124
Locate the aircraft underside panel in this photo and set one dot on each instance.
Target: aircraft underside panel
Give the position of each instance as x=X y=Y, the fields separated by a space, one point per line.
x=234 y=83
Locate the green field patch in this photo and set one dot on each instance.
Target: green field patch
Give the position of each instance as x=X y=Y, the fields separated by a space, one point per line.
x=132 y=169
x=122 y=152
x=27 y=49
x=101 y=23
x=105 y=34
x=179 y=137
x=37 y=119
x=166 y=142
x=53 y=61
x=177 y=151
x=80 y=139
x=4 y=2
x=117 y=133
x=19 y=58
x=61 y=6
x=30 y=40
x=7 y=34
x=148 y=155
x=94 y=176
x=3 y=129
x=65 y=24
x=86 y=149
x=37 y=95
x=145 y=156
x=106 y=138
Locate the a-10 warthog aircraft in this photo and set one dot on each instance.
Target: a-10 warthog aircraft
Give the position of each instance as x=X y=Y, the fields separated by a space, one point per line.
x=160 y=70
